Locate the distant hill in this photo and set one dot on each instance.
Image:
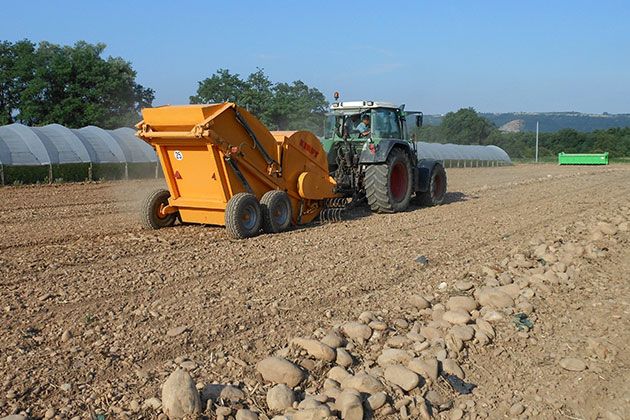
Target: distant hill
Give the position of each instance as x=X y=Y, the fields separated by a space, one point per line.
x=550 y=121
x=514 y=126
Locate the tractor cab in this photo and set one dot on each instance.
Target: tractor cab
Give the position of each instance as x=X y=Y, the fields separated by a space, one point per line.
x=362 y=125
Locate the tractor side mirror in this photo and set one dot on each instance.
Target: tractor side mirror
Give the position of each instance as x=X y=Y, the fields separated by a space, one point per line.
x=419 y=120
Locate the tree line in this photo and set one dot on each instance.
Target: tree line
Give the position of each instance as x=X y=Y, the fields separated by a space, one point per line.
x=76 y=86
x=466 y=126
x=69 y=85
x=280 y=106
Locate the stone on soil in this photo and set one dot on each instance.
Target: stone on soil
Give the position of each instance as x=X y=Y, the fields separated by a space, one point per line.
x=153 y=403
x=232 y=393
x=485 y=327
x=338 y=374
x=463 y=332
x=316 y=349
x=389 y=356
x=452 y=367
x=366 y=317
x=517 y=409
x=244 y=414
x=573 y=364
x=350 y=406
x=456 y=316
x=321 y=412
x=427 y=368
x=456 y=414
x=462 y=286
x=362 y=382
x=179 y=395
x=430 y=333
x=494 y=298
x=492 y=316
x=376 y=401
x=173 y=332
x=280 y=397
x=281 y=371
x=419 y=302
x=512 y=290
x=357 y=331
x=397 y=341
x=343 y=357
x=401 y=376
x=466 y=303
x=333 y=339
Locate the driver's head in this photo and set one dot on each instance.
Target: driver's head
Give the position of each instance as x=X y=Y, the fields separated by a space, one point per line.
x=366 y=119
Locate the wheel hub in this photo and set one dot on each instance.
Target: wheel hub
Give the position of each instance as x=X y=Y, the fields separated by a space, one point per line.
x=398 y=182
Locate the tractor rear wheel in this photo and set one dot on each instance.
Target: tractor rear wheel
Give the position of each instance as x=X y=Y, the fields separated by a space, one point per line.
x=243 y=216
x=437 y=189
x=276 y=211
x=151 y=212
x=388 y=186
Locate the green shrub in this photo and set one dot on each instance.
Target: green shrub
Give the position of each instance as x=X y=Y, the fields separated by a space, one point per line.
x=142 y=170
x=108 y=171
x=71 y=172
x=17 y=175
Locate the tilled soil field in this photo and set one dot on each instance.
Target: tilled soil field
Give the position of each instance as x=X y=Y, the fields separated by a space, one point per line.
x=512 y=300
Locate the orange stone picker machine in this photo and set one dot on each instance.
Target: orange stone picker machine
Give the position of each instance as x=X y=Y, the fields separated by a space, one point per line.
x=223 y=167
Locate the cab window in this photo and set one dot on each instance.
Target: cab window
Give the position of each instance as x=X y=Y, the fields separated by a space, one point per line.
x=385 y=124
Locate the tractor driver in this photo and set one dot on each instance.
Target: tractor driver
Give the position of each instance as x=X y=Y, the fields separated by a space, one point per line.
x=364 y=126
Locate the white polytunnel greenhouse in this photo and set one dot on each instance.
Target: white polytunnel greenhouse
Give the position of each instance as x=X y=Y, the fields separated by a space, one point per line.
x=54 y=153
x=463 y=156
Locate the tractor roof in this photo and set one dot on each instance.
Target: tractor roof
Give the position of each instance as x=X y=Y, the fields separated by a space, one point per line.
x=360 y=105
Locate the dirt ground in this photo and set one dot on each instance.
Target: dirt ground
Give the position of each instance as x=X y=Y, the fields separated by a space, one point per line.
x=87 y=297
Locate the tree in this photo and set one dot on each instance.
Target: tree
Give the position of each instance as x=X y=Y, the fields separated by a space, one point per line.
x=69 y=85
x=258 y=96
x=220 y=87
x=16 y=69
x=297 y=107
x=280 y=106
x=466 y=127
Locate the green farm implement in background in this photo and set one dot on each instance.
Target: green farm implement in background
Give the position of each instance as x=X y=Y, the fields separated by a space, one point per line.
x=583 y=158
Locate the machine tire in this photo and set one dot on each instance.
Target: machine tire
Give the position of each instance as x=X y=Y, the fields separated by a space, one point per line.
x=276 y=211
x=150 y=216
x=437 y=189
x=243 y=216
x=388 y=186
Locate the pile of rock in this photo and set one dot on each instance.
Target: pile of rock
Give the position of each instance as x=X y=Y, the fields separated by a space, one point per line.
x=408 y=363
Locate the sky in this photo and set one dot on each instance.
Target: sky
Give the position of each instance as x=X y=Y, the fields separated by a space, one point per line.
x=433 y=56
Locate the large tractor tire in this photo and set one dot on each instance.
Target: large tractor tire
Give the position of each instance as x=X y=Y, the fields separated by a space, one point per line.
x=388 y=186
x=437 y=189
x=276 y=211
x=150 y=214
x=243 y=216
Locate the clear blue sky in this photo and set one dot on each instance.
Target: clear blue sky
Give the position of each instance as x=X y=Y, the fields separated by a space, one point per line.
x=435 y=56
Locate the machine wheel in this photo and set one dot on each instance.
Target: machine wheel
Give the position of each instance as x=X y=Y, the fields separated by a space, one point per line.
x=150 y=213
x=388 y=186
x=243 y=216
x=276 y=211
x=437 y=188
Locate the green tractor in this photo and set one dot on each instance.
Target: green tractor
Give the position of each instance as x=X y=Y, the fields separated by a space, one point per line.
x=372 y=157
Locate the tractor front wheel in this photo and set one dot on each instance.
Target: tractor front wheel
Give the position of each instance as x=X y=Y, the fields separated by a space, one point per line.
x=243 y=216
x=437 y=189
x=388 y=186
x=151 y=212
